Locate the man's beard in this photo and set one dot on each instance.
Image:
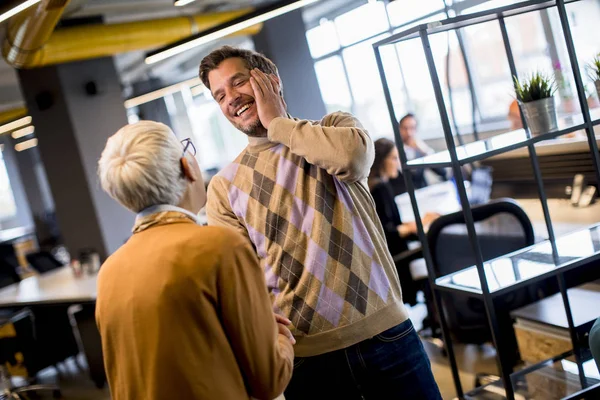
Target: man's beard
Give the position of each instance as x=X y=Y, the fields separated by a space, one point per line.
x=255 y=129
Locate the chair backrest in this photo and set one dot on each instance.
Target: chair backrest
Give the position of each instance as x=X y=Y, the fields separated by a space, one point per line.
x=8 y=266
x=18 y=344
x=43 y=261
x=502 y=227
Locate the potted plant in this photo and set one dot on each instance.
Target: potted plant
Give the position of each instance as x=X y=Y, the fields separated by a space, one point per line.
x=595 y=73
x=536 y=97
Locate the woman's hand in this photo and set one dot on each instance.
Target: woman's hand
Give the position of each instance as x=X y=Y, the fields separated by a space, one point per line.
x=429 y=218
x=407 y=229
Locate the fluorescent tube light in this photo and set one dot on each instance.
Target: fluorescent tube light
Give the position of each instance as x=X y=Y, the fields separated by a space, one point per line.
x=227 y=28
x=179 y=3
x=15 y=124
x=28 y=144
x=157 y=94
x=15 y=10
x=28 y=130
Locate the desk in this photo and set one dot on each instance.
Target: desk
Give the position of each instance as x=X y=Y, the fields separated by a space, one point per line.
x=52 y=288
x=565 y=217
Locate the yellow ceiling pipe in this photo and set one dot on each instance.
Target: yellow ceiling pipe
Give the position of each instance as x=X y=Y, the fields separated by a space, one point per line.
x=91 y=41
x=12 y=114
x=28 y=31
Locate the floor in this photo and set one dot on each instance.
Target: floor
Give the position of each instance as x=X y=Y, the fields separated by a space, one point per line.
x=76 y=385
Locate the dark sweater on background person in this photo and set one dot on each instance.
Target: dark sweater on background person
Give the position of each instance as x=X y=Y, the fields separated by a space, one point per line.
x=387 y=210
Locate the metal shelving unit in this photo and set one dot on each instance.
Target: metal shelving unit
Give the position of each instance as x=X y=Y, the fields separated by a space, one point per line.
x=480 y=279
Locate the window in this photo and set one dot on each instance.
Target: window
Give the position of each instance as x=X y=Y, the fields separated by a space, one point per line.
x=402 y=12
x=322 y=39
x=333 y=84
x=369 y=104
x=362 y=22
x=349 y=78
x=8 y=207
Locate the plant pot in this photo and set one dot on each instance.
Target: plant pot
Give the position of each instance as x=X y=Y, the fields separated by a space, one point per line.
x=598 y=88
x=540 y=116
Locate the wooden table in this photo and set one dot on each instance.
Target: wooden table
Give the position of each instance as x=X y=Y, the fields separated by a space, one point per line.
x=58 y=287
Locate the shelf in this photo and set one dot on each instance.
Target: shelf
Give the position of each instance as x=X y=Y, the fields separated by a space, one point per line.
x=527 y=265
x=499 y=144
x=552 y=379
x=468 y=20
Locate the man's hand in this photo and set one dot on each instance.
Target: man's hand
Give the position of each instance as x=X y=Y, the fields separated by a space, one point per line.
x=269 y=102
x=282 y=326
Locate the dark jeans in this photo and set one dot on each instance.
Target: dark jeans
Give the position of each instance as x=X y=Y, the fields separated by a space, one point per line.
x=391 y=365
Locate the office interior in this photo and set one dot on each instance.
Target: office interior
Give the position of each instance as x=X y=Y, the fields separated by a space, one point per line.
x=90 y=75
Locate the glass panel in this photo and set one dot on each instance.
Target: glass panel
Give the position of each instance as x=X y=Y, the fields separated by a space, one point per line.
x=322 y=39
x=395 y=81
x=419 y=87
x=499 y=142
x=550 y=380
x=369 y=101
x=433 y=18
x=332 y=82
x=401 y=12
x=8 y=207
x=530 y=262
x=489 y=66
x=362 y=22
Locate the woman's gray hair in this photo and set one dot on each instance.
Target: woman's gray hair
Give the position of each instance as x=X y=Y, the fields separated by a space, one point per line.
x=141 y=166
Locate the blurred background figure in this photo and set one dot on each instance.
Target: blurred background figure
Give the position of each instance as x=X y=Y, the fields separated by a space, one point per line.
x=514 y=116
x=417 y=148
x=385 y=167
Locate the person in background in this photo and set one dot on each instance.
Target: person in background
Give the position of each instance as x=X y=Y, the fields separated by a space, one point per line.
x=182 y=310
x=299 y=193
x=514 y=116
x=385 y=168
x=416 y=148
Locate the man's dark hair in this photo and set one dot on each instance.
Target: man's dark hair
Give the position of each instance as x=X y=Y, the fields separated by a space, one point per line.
x=251 y=58
x=409 y=115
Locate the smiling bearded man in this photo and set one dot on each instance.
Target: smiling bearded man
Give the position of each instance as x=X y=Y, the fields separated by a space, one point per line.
x=299 y=193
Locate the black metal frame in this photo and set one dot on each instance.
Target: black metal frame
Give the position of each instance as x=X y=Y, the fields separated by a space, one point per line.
x=423 y=31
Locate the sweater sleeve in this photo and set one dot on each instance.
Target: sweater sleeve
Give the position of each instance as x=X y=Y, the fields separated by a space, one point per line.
x=218 y=209
x=339 y=144
x=265 y=357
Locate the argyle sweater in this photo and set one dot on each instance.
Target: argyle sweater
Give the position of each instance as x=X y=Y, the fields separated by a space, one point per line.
x=301 y=197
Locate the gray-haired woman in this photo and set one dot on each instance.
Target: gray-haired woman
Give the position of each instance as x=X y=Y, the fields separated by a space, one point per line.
x=183 y=310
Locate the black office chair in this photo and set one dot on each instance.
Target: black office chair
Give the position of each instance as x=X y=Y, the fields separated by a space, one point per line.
x=8 y=266
x=43 y=261
x=508 y=229
x=19 y=354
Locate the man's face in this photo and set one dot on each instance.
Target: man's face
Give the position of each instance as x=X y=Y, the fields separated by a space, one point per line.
x=231 y=88
x=408 y=129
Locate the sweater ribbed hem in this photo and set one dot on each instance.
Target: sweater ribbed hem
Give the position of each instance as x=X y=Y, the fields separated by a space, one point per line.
x=340 y=338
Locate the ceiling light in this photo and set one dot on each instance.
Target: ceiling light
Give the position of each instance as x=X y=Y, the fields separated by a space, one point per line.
x=237 y=24
x=23 y=132
x=157 y=94
x=179 y=3
x=15 y=124
x=28 y=144
x=15 y=10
